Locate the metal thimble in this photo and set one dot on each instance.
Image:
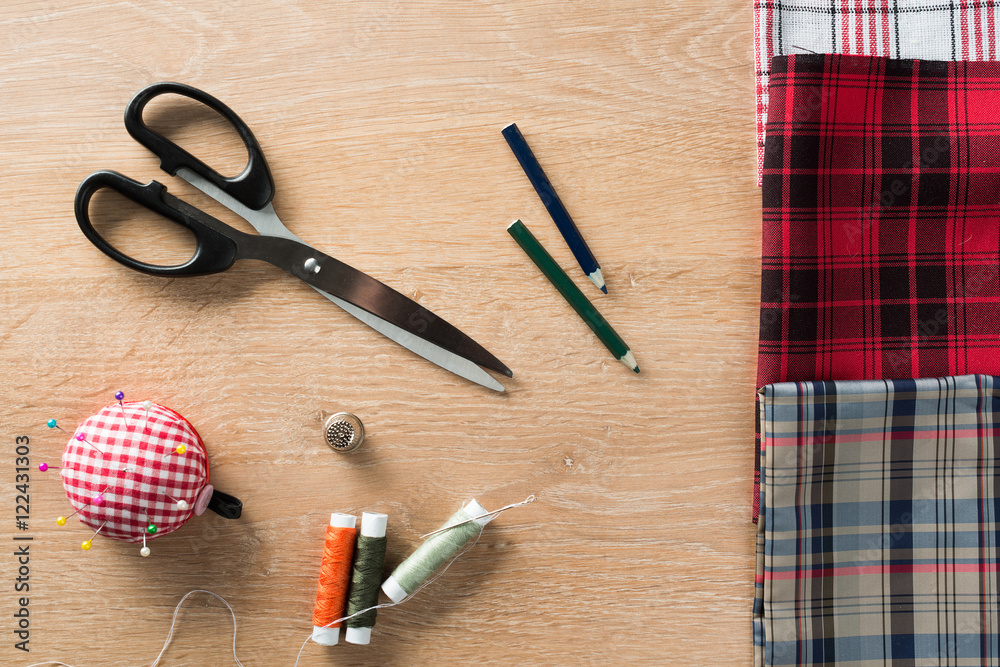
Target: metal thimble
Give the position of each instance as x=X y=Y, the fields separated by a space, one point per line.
x=344 y=432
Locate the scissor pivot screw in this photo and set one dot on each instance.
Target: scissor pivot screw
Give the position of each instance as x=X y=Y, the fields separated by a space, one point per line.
x=312 y=266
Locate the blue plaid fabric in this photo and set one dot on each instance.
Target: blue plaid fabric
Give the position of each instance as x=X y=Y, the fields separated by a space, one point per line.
x=877 y=543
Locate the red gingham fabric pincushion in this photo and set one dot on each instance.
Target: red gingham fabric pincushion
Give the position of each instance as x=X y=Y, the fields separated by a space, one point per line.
x=140 y=476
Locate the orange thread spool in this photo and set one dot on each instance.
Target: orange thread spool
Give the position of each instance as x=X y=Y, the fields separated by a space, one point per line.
x=334 y=578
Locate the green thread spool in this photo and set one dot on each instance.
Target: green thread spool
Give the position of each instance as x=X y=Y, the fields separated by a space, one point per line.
x=436 y=551
x=369 y=557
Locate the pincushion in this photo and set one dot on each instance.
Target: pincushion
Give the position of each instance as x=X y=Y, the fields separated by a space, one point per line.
x=136 y=471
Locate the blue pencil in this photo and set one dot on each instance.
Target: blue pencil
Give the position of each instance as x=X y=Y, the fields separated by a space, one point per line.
x=548 y=195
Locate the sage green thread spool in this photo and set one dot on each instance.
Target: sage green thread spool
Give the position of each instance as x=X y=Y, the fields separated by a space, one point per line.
x=436 y=551
x=369 y=557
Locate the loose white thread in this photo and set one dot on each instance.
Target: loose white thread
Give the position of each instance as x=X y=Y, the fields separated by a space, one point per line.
x=386 y=605
x=170 y=634
x=174 y=622
x=494 y=514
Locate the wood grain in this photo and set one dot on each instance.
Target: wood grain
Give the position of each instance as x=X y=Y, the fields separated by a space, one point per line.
x=381 y=123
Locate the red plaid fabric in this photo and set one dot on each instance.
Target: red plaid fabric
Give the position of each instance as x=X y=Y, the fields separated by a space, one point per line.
x=139 y=481
x=926 y=29
x=881 y=211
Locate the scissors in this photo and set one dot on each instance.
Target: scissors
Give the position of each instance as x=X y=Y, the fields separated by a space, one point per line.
x=249 y=195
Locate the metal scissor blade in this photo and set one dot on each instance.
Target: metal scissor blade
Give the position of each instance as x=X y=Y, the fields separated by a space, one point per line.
x=341 y=280
x=267 y=223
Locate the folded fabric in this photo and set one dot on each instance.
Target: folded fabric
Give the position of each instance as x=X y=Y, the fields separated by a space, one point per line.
x=880 y=504
x=881 y=220
x=926 y=29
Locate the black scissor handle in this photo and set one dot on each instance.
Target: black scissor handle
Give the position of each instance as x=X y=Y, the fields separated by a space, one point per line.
x=215 y=251
x=254 y=187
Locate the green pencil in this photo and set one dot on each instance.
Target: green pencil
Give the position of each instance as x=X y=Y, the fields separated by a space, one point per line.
x=543 y=260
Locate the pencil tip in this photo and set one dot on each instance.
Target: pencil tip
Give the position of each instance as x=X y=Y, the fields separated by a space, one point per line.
x=597 y=277
x=629 y=360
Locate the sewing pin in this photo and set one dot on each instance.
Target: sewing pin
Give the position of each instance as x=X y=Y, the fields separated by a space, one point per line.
x=80 y=437
x=181 y=504
x=147 y=405
x=99 y=498
x=52 y=423
x=180 y=449
x=144 y=551
x=42 y=467
x=119 y=396
x=87 y=543
x=61 y=521
x=150 y=527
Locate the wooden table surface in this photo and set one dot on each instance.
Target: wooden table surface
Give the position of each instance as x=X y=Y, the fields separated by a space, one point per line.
x=381 y=123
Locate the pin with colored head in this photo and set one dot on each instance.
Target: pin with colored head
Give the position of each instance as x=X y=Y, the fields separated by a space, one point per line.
x=98 y=499
x=179 y=449
x=61 y=521
x=88 y=543
x=80 y=437
x=52 y=423
x=181 y=504
x=43 y=467
x=146 y=405
x=119 y=396
x=150 y=528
